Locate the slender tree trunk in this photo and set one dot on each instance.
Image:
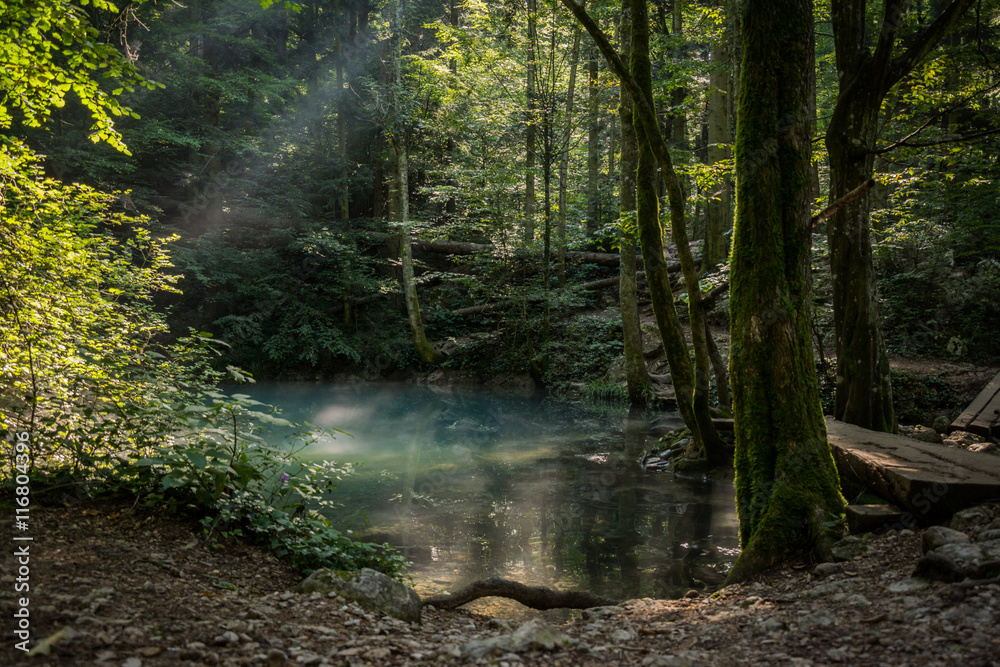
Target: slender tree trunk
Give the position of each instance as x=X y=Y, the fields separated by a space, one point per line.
x=786 y=481
x=637 y=381
x=400 y=197
x=691 y=383
x=864 y=390
x=531 y=131
x=564 y=159
x=696 y=414
x=593 y=146
x=718 y=210
x=344 y=198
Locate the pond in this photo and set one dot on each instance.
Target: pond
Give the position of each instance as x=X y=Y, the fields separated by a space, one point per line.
x=469 y=484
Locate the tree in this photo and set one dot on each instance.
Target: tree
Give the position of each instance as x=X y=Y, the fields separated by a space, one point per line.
x=691 y=383
x=637 y=382
x=864 y=391
x=718 y=210
x=399 y=204
x=49 y=49
x=786 y=480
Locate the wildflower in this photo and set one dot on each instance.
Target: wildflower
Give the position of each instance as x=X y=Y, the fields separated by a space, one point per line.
x=284 y=477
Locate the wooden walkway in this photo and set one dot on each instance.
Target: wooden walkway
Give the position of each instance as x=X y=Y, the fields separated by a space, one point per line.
x=982 y=417
x=930 y=482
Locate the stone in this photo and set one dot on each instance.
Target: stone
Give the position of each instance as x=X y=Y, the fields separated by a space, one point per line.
x=937 y=536
x=848 y=548
x=371 y=590
x=969 y=518
x=925 y=434
x=824 y=570
x=941 y=424
x=989 y=535
x=534 y=635
x=984 y=448
x=595 y=613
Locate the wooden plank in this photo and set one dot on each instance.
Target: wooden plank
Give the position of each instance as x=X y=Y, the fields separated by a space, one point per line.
x=988 y=420
x=983 y=401
x=929 y=481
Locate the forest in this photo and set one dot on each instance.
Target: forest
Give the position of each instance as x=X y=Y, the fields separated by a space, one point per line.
x=750 y=213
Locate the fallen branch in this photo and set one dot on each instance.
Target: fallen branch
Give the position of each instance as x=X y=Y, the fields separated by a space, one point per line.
x=536 y=597
x=463 y=248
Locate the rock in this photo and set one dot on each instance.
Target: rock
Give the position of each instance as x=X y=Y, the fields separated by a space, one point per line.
x=970 y=518
x=984 y=448
x=824 y=570
x=821 y=617
x=941 y=424
x=534 y=635
x=925 y=434
x=937 y=536
x=276 y=657
x=371 y=590
x=989 y=535
x=595 y=613
x=848 y=548
x=537 y=634
x=227 y=637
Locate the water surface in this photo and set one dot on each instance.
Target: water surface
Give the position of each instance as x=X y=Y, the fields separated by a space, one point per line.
x=469 y=484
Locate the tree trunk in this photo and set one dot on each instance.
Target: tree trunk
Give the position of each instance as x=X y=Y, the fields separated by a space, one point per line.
x=786 y=480
x=593 y=147
x=864 y=390
x=718 y=211
x=531 y=131
x=564 y=159
x=690 y=383
x=399 y=202
x=637 y=382
x=648 y=133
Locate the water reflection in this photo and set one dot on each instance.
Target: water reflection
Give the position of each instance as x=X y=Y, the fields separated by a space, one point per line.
x=471 y=485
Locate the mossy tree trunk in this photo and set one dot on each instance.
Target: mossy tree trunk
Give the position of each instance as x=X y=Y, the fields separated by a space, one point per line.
x=864 y=392
x=399 y=200
x=690 y=385
x=636 y=375
x=786 y=481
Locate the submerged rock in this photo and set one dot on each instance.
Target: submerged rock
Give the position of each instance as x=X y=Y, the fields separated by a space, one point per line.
x=371 y=590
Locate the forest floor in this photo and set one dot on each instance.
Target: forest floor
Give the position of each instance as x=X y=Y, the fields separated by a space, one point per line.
x=112 y=585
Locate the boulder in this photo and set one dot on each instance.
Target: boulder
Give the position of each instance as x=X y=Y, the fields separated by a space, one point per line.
x=925 y=434
x=970 y=518
x=848 y=548
x=937 y=536
x=371 y=590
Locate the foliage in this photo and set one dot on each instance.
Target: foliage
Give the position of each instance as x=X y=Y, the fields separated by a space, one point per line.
x=108 y=405
x=51 y=48
x=919 y=398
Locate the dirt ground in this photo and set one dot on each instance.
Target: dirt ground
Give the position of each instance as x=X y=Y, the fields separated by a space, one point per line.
x=112 y=585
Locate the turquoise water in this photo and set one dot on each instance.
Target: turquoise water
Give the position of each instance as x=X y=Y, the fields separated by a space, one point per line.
x=470 y=484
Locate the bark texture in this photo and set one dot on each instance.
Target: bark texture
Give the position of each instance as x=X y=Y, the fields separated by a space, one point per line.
x=637 y=383
x=786 y=480
x=864 y=391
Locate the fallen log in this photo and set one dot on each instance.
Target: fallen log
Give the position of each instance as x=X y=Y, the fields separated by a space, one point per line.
x=536 y=597
x=464 y=248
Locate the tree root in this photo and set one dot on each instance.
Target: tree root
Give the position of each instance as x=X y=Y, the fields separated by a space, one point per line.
x=536 y=597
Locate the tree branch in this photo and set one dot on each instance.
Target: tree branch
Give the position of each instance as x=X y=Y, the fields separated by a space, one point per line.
x=841 y=203
x=926 y=42
x=925 y=144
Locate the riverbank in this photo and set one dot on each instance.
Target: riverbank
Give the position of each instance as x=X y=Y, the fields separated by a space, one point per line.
x=112 y=585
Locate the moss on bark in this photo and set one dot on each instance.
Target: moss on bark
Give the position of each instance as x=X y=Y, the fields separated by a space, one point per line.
x=786 y=481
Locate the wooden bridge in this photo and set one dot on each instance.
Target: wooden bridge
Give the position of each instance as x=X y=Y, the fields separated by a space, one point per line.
x=929 y=482
x=982 y=417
